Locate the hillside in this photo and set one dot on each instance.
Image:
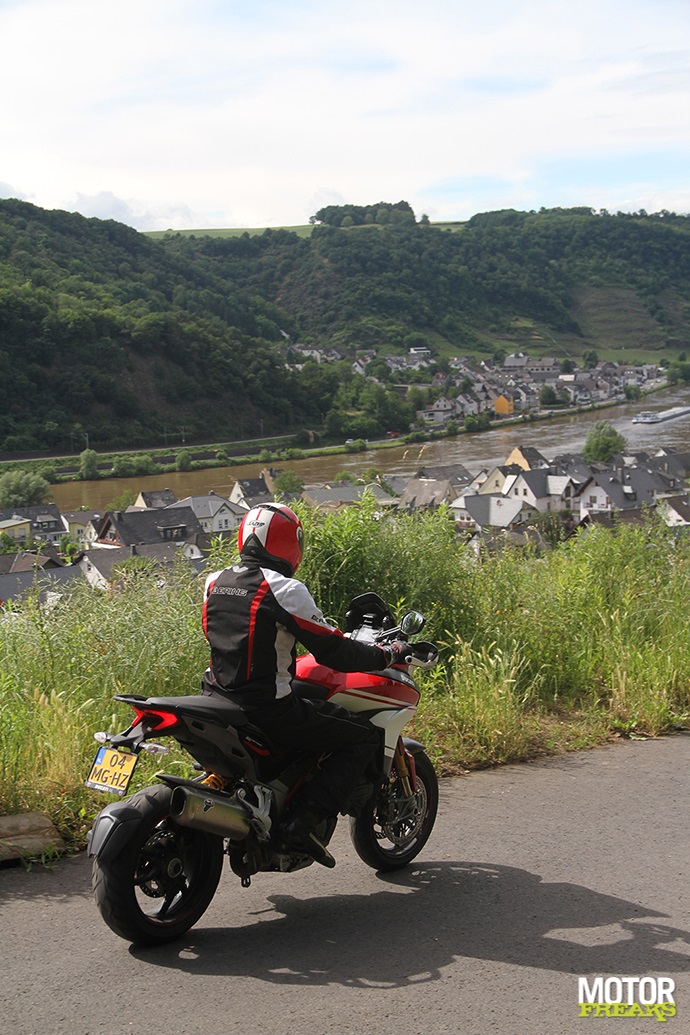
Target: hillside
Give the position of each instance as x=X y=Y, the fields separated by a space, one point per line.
x=129 y=338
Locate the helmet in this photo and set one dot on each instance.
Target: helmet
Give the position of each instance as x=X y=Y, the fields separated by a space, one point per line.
x=272 y=534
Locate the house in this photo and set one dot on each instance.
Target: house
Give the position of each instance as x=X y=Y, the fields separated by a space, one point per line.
x=129 y=528
x=50 y=584
x=490 y=511
x=626 y=488
x=527 y=457
x=44 y=523
x=456 y=474
x=504 y=404
x=498 y=477
x=77 y=522
x=426 y=494
x=675 y=511
x=155 y=499
x=544 y=491
x=671 y=462
x=16 y=527
x=47 y=558
x=439 y=412
x=214 y=513
x=250 y=492
x=100 y=566
x=516 y=361
x=199 y=546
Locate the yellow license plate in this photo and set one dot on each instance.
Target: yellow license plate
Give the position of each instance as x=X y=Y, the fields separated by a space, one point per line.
x=111 y=771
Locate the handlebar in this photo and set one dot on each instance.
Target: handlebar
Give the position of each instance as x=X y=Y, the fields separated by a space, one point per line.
x=423 y=655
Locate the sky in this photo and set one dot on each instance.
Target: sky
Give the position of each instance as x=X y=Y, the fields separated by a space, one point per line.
x=191 y=114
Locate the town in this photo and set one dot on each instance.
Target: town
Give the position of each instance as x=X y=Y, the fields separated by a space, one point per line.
x=528 y=500
x=502 y=386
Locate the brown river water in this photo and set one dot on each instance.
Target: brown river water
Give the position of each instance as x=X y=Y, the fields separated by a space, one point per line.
x=485 y=449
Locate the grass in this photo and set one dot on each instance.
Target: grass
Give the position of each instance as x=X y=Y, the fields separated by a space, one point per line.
x=540 y=653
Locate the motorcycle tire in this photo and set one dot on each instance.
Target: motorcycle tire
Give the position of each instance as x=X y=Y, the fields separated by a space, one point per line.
x=391 y=830
x=164 y=878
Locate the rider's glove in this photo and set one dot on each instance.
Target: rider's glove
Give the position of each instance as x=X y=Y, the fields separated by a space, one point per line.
x=395 y=652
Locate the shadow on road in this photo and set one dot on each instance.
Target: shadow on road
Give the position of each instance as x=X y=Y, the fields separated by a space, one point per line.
x=425 y=918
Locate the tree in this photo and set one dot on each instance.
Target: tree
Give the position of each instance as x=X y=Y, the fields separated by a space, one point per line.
x=121 y=502
x=603 y=441
x=589 y=359
x=547 y=396
x=23 y=489
x=289 y=481
x=88 y=465
x=183 y=460
x=123 y=467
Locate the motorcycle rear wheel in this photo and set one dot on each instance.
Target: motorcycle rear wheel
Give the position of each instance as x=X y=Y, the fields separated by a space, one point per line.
x=163 y=880
x=391 y=830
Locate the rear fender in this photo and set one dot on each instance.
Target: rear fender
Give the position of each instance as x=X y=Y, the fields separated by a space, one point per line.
x=112 y=830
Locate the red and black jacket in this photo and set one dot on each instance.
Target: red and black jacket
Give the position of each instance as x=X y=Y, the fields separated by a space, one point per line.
x=253 y=617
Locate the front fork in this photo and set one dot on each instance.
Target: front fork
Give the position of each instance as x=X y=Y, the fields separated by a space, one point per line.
x=406 y=773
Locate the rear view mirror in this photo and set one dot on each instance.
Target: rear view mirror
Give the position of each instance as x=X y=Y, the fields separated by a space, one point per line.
x=412 y=623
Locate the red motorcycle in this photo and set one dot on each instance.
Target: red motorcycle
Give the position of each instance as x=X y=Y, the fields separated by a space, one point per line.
x=158 y=854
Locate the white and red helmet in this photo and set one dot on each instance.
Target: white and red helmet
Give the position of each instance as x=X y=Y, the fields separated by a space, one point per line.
x=272 y=533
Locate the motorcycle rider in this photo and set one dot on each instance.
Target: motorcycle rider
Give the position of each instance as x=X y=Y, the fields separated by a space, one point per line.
x=254 y=613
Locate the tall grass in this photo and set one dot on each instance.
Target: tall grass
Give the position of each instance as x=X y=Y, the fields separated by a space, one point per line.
x=539 y=652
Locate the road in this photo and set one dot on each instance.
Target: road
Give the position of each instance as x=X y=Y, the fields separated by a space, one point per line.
x=536 y=874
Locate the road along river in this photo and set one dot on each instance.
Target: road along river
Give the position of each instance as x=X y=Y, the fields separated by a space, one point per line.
x=560 y=435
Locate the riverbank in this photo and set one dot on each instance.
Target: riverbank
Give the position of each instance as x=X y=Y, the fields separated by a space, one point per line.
x=207 y=456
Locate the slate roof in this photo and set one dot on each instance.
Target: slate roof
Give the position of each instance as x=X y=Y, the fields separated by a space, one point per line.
x=494 y=510
x=150 y=526
x=105 y=560
x=421 y=493
x=39 y=516
x=631 y=488
x=15 y=586
x=157 y=498
x=206 y=507
x=341 y=495
x=457 y=474
x=680 y=505
x=255 y=491
x=26 y=560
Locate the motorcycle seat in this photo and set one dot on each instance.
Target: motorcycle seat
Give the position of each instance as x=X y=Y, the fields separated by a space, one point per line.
x=212 y=708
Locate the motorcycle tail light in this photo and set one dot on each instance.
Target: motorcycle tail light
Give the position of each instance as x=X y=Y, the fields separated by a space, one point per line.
x=155 y=720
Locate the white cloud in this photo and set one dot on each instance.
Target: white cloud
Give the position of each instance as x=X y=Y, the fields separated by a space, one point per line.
x=237 y=113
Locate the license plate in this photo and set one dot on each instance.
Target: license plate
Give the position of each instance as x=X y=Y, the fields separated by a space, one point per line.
x=111 y=771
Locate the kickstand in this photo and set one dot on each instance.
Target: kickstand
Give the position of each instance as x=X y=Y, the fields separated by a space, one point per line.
x=246 y=882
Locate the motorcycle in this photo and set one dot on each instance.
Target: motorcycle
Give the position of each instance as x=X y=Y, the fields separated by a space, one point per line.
x=158 y=854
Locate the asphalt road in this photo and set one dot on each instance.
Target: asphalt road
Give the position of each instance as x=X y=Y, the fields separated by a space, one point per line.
x=535 y=875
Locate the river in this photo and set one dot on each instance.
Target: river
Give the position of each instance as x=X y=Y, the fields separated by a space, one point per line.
x=485 y=449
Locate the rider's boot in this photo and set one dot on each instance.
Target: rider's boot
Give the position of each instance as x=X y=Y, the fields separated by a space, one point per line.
x=297 y=831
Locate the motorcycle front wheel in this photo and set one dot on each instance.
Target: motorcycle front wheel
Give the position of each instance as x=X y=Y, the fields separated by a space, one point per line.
x=392 y=829
x=164 y=878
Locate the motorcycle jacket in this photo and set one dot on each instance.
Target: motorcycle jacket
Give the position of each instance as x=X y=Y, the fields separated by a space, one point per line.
x=253 y=618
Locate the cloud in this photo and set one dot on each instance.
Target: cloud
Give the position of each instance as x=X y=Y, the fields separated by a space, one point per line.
x=231 y=113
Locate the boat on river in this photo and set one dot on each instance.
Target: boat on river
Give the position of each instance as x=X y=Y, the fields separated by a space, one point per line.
x=656 y=417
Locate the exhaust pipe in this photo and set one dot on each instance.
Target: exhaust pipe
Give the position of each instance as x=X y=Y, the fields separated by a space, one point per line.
x=205 y=810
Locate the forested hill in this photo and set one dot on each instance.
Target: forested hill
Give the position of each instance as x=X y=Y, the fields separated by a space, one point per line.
x=108 y=332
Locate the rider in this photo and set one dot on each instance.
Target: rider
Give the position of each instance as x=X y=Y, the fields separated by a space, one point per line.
x=254 y=612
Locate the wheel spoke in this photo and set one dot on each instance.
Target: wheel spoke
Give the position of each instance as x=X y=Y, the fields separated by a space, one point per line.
x=172 y=894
